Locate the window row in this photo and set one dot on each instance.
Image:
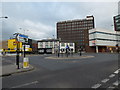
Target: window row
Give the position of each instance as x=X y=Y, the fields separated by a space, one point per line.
x=75 y=23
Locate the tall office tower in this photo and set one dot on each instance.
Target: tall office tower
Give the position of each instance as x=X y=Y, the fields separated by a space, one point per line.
x=119 y=7
x=76 y=31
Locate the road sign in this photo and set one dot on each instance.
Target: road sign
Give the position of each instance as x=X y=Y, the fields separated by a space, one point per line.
x=22 y=38
x=117 y=22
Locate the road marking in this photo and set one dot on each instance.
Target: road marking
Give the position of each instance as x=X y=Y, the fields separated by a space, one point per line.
x=116 y=83
x=26 y=84
x=96 y=86
x=105 y=80
x=112 y=75
x=117 y=71
x=111 y=87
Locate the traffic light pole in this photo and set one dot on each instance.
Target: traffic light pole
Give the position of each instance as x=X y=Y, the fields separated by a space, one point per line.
x=17 y=56
x=17 y=51
x=24 y=50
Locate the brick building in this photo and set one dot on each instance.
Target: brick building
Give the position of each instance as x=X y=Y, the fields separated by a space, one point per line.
x=76 y=31
x=4 y=44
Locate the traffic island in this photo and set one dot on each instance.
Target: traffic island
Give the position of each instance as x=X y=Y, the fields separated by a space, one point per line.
x=12 y=69
x=70 y=57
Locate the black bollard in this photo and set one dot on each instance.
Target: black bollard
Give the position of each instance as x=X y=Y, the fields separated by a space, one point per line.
x=58 y=55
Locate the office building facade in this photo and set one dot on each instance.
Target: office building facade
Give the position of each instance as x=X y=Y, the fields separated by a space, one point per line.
x=101 y=40
x=76 y=31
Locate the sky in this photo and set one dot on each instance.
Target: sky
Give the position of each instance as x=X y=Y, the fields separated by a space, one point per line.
x=38 y=19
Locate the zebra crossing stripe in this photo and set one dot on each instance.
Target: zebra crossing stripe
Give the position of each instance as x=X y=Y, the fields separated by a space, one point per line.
x=117 y=71
x=105 y=80
x=112 y=75
x=116 y=83
x=96 y=86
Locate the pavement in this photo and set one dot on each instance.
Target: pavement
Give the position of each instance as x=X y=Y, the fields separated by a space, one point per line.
x=9 y=67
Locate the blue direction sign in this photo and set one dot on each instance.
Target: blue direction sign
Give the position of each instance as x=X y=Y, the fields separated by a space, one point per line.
x=22 y=38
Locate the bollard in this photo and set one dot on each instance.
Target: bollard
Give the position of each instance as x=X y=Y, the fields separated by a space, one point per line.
x=25 y=62
x=80 y=53
x=58 y=55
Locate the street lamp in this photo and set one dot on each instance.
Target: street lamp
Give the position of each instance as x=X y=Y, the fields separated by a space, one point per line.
x=53 y=44
x=4 y=17
x=23 y=42
x=23 y=30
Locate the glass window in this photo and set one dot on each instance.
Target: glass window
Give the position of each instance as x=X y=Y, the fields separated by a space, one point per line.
x=63 y=44
x=71 y=44
x=46 y=44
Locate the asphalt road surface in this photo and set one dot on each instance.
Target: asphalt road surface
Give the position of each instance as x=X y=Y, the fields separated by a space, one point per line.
x=96 y=72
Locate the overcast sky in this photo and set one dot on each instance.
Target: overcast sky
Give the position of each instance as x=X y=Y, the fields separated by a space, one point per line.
x=40 y=18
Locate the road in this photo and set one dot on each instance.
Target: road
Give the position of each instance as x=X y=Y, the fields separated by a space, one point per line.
x=96 y=72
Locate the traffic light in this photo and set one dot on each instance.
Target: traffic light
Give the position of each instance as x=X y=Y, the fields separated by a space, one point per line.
x=116 y=45
x=117 y=22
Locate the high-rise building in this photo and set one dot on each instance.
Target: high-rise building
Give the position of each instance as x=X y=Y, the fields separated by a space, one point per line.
x=76 y=31
x=119 y=7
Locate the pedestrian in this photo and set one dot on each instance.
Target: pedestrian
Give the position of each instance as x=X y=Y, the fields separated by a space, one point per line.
x=67 y=50
x=3 y=52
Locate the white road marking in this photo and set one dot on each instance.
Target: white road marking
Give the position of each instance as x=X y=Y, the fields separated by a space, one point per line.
x=26 y=84
x=105 y=80
x=111 y=87
x=116 y=83
x=117 y=71
x=112 y=75
x=96 y=86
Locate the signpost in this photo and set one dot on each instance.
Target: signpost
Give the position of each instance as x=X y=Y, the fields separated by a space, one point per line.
x=24 y=39
x=17 y=50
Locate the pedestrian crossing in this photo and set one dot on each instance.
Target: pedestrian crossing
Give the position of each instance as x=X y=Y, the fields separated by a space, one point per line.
x=113 y=86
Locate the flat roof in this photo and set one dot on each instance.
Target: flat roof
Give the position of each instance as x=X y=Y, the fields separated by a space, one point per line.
x=87 y=18
x=47 y=40
x=102 y=30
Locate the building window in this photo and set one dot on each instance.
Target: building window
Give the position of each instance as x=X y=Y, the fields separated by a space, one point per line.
x=51 y=44
x=71 y=44
x=62 y=44
x=46 y=44
x=41 y=44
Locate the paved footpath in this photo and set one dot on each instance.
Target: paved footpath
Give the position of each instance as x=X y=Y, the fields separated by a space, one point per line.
x=8 y=68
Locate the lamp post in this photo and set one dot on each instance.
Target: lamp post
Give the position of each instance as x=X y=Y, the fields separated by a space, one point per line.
x=53 y=44
x=117 y=40
x=17 y=51
x=4 y=17
x=24 y=42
